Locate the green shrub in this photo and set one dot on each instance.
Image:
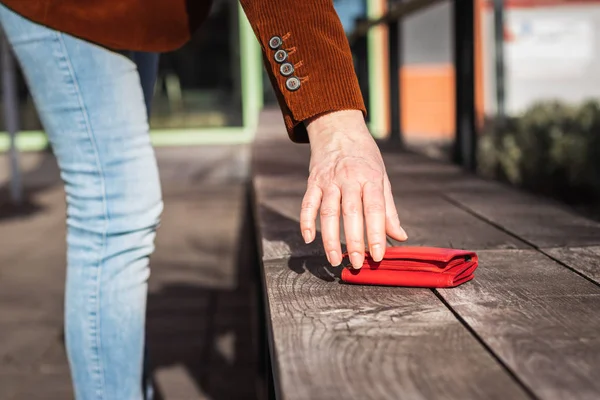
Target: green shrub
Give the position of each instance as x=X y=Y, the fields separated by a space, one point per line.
x=553 y=148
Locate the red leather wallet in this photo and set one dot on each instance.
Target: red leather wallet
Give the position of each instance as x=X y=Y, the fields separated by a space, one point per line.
x=428 y=267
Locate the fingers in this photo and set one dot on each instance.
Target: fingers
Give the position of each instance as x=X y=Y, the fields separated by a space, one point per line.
x=330 y=225
x=374 y=209
x=308 y=212
x=364 y=200
x=392 y=222
x=352 y=211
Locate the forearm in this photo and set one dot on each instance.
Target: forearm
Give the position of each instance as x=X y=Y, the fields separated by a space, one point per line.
x=323 y=78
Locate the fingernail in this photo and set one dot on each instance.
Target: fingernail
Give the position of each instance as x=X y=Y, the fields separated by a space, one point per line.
x=404 y=234
x=333 y=258
x=376 y=252
x=356 y=260
x=307 y=236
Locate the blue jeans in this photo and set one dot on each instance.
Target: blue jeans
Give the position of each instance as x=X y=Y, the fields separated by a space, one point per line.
x=92 y=105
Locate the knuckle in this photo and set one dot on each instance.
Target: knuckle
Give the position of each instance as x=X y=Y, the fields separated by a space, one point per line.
x=376 y=242
x=343 y=168
x=393 y=215
x=306 y=223
x=348 y=173
x=312 y=180
x=330 y=244
x=330 y=189
x=350 y=208
x=355 y=243
x=376 y=235
x=375 y=208
x=308 y=205
x=329 y=212
x=376 y=176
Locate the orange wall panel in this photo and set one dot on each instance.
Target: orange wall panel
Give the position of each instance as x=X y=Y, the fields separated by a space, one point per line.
x=427 y=101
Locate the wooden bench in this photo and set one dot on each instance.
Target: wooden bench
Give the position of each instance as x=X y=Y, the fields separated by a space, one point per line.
x=526 y=327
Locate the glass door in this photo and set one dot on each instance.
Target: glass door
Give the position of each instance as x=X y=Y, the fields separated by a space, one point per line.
x=199 y=85
x=208 y=91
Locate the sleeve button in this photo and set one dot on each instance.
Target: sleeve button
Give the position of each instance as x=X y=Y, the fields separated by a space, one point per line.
x=281 y=56
x=275 y=42
x=286 y=69
x=292 y=84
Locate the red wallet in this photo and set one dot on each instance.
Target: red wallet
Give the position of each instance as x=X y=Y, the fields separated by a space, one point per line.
x=428 y=267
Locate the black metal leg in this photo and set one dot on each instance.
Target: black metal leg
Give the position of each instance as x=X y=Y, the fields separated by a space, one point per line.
x=499 y=47
x=464 y=61
x=361 y=65
x=395 y=64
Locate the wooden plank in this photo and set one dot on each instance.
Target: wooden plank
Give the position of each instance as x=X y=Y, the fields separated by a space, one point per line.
x=281 y=158
x=174 y=382
x=539 y=221
x=428 y=217
x=201 y=253
x=539 y=318
x=215 y=164
x=585 y=260
x=279 y=228
x=33 y=385
x=337 y=341
x=195 y=264
x=416 y=173
x=431 y=220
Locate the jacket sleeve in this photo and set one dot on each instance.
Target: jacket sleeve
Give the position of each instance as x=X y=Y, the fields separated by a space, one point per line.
x=307 y=57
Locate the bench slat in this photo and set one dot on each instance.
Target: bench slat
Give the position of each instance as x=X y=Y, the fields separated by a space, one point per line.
x=337 y=341
x=539 y=221
x=538 y=317
x=431 y=220
x=585 y=260
x=526 y=326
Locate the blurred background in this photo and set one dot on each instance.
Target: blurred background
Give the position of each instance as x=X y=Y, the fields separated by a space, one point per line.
x=534 y=88
x=508 y=89
x=535 y=84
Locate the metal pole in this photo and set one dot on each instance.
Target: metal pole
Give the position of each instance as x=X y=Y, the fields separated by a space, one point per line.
x=359 y=48
x=464 y=61
x=499 y=45
x=11 y=119
x=395 y=50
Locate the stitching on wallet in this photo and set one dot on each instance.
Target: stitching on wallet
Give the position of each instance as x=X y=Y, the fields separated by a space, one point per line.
x=286 y=36
x=291 y=50
x=298 y=64
x=303 y=78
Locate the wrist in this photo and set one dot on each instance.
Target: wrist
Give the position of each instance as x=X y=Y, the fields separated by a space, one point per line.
x=347 y=121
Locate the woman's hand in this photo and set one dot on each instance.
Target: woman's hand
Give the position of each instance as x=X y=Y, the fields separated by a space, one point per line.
x=346 y=169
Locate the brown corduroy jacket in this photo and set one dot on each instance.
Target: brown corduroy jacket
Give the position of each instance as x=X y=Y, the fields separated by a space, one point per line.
x=314 y=73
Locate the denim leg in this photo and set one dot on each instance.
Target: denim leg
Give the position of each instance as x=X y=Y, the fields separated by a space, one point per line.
x=92 y=107
x=147 y=65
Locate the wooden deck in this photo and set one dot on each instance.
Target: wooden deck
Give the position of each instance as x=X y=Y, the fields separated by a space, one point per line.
x=525 y=328
x=202 y=308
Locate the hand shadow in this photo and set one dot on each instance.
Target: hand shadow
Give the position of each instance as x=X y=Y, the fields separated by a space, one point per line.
x=279 y=229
